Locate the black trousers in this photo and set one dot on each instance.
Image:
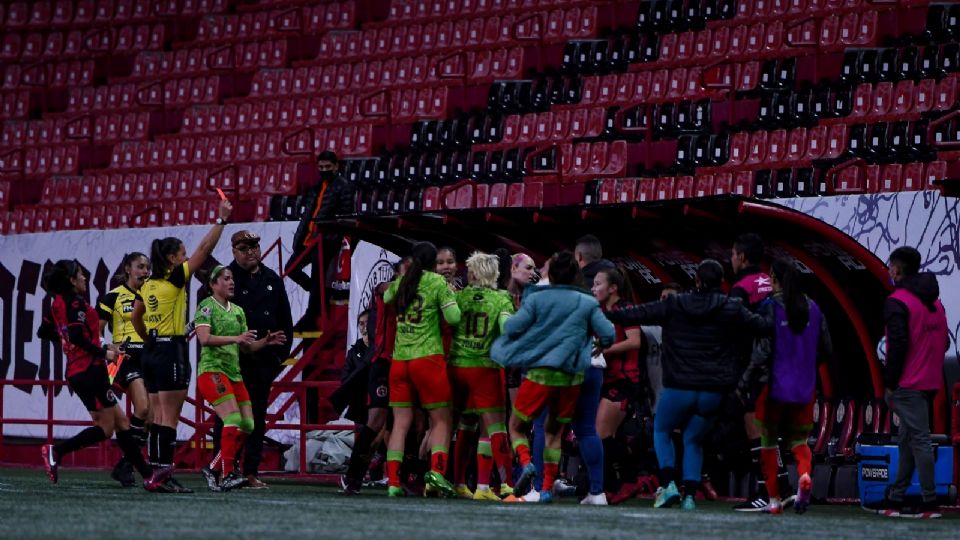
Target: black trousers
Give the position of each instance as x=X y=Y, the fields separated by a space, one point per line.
x=258 y=375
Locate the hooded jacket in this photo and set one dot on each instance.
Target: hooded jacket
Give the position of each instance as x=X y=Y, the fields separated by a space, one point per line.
x=700 y=346
x=917 y=338
x=553 y=329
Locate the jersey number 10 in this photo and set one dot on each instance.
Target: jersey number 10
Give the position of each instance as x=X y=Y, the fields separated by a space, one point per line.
x=476 y=325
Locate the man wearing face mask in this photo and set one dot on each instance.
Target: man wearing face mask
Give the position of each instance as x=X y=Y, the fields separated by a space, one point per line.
x=332 y=196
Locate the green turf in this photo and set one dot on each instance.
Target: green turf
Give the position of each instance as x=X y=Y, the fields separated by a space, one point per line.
x=90 y=505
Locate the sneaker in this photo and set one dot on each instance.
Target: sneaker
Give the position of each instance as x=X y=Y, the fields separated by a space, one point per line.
x=464 y=492
x=886 y=508
x=532 y=496
x=773 y=507
x=505 y=490
x=255 y=483
x=511 y=498
x=234 y=480
x=395 y=492
x=50 y=462
x=688 y=504
x=706 y=487
x=157 y=479
x=526 y=475
x=564 y=488
x=349 y=486
x=667 y=497
x=926 y=510
x=439 y=484
x=485 y=495
x=211 y=477
x=123 y=472
x=804 y=494
x=176 y=487
x=625 y=493
x=546 y=497
x=756 y=505
x=595 y=500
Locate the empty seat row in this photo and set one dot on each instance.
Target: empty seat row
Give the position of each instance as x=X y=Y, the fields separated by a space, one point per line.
x=199 y=61
x=676 y=84
x=105 y=128
x=77 y=43
x=124 y=97
x=14 y=104
x=632 y=190
x=309 y=19
x=882 y=101
x=576 y=162
x=895 y=63
x=766 y=10
x=763 y=148
x=47 y=75
x=406 y=11
x=874 y=178
x=170 y=212
x=59 y=159
x=482 y=32
x=44 y=14
x=549 y=127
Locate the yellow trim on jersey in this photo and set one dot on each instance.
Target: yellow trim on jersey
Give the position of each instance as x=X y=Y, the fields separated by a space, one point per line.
x=166 y=303
x=118 y=303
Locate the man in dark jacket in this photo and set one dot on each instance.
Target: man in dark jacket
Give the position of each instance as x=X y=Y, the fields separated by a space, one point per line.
x=330 y=197
x=589 y=255
x=700 y=364
x=917 y=339
x=261 y=294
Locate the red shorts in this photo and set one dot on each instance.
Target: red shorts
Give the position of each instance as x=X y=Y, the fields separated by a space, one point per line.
x=772 y=412
x=216 y=388
x=421 y=380
x=478 y=390
x=533 y=397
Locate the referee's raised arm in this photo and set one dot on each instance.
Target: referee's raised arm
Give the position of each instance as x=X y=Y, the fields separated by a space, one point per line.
x=210 y=240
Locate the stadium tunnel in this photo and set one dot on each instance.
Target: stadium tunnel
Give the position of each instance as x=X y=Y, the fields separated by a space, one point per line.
x=662 y=242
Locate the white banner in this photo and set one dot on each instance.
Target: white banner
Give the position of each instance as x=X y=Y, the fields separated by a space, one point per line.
x=22 y=259
x=370 y=266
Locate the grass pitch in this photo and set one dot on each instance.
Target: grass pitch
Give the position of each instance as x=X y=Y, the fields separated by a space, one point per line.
x=90 y=505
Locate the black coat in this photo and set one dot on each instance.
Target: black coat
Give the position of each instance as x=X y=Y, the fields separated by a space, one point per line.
x=352 y=393
x=701 y=349
x=264 y=300
x=339 y=199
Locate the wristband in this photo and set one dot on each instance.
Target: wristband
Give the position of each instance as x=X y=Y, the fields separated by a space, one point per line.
x=220 y=221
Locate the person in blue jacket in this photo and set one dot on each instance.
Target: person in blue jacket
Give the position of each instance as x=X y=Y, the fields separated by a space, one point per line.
x=550 y=337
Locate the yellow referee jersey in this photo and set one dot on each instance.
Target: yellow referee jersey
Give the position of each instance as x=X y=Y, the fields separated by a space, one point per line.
x=166 y=302
x=116 y=307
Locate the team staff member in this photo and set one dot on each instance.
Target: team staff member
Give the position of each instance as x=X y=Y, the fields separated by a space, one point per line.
x=223 y=333
x=262 y=296
x=75 y=323
x=115 y=309
x=160 y=317
x=418 y=373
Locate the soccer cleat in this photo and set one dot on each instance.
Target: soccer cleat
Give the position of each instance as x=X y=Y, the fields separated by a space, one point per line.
x=512 y=499
x=255 y=483
x=626 y=492
x=532 y=496
x=773 y=507
x=176 y=487
x=526 y=475
x=349 y=486
x=393 y=491
x=50 y=462
x=688 y=504
x=233 y=480
x=667 y=496
x=463 y=492
x=505 y=490
x=546 y=497
x=886 y=508
x=123 y=472
x=439 y=484
x=564 y=488
x=158 y=479
x=804 y=494
x=485 y=495
x=595 y=500
x=756 y=505
x=210 y=477
x=926 y=510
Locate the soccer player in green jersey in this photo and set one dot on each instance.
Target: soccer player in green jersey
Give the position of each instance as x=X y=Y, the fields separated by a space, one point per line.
x=221 y=328
x=478 y=382
x=418 y=373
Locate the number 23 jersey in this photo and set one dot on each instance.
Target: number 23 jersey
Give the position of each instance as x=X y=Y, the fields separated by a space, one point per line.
x=481 y=312
x=418 y=327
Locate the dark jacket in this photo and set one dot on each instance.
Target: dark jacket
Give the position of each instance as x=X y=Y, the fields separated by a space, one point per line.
x=264 y=300
x=591 y=270
x=896 y=318
x=339 y=199
x=352 y=393
x=700 y=349
x=757 y=373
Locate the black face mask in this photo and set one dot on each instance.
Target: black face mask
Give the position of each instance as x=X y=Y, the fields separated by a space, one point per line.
x=326 y=176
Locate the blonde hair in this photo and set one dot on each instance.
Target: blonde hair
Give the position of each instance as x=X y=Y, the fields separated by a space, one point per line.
x=485 y=269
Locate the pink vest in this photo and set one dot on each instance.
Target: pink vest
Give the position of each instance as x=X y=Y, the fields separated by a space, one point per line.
x=758 y=287
x=923 y=369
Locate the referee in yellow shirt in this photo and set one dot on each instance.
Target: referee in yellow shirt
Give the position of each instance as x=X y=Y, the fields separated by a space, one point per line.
x=160 y=317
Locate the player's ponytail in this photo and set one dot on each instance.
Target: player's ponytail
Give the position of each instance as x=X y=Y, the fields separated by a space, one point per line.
x=160 y=249
x=424 y=256
x=798 y=310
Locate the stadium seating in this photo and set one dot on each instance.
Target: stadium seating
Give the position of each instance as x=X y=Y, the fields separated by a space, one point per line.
x=531 y=103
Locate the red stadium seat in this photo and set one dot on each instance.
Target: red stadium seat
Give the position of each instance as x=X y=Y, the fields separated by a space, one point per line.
x=743 y=184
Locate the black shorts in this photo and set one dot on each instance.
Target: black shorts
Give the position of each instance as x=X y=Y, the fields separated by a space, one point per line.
x=378 y=384
x=166 y=366
x=130 y=369
x=622 y=391
x=93 y=388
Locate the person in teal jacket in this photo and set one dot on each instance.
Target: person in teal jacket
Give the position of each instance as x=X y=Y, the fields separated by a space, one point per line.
x=550 y=337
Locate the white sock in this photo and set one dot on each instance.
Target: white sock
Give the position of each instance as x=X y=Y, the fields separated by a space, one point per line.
x=483 y=487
